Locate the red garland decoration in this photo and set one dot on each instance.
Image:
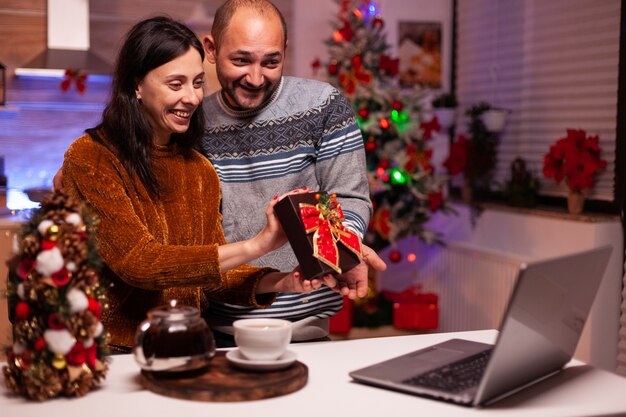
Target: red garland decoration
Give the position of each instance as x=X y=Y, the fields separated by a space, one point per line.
x=324 y=219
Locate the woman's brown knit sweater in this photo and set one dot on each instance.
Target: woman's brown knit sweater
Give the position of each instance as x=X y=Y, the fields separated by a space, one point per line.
x=156 y=249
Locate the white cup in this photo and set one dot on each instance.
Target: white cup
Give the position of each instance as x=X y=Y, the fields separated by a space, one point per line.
x=262 y=339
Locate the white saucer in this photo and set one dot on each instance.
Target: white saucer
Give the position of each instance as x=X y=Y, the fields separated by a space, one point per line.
x=236 y=358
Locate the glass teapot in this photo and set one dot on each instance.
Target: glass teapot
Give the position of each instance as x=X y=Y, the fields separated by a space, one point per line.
x=173 y=339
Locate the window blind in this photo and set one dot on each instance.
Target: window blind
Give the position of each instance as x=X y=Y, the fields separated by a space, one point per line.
x=554 y=65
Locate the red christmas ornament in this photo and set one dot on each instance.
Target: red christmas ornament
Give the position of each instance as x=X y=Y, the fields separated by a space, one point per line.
x=332 y=69
x=40 y=344
x=95 y=307
x=395 y=256
x=384 y=163
x=378 y=23
x=384 y=123
x=22 y=310
x=370 y=145
x=315 y=65
x=363 y=113
x=356 y=61
x=345 y=33
x=397 y=105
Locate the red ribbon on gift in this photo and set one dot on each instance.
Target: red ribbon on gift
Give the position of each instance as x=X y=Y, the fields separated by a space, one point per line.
x=325 y=220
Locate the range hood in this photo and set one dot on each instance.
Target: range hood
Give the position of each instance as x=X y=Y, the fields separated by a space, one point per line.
x=68 y=43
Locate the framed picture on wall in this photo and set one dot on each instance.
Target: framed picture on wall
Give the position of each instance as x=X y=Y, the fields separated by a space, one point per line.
x=419 y=50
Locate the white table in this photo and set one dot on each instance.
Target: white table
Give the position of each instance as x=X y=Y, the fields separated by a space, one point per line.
x=579 y=390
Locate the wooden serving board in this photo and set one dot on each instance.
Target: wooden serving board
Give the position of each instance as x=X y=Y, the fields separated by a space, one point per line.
x=222 y=381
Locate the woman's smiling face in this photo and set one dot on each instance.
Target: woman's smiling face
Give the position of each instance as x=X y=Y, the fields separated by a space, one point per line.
x=170 y=94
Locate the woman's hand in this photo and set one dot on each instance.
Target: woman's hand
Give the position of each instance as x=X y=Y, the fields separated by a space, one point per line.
x=293 y=282
x=272 y=236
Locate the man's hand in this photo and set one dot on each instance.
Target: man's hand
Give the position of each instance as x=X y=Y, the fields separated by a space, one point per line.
x=353 y=283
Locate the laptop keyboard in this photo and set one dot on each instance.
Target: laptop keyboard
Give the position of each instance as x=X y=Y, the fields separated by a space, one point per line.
x=455 y=377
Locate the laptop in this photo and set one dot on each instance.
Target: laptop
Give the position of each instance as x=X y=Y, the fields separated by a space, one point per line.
x=543 y=322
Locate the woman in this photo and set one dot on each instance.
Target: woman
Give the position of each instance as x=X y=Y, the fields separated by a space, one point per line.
x=156 y=198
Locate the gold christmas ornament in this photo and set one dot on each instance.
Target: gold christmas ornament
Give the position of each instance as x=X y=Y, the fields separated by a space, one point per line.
x=53 y=232
x=59 y=361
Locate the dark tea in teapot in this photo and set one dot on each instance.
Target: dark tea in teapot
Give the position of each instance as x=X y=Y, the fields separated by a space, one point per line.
x=173 y=339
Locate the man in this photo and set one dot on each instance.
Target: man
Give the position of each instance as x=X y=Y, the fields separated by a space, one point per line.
x=267 y=134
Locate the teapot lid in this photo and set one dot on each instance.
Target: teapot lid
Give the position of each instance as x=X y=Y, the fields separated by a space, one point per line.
x=173 y=312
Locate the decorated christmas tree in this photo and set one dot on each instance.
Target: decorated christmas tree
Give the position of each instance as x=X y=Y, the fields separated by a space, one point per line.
x=405 y=189
x=55 y=303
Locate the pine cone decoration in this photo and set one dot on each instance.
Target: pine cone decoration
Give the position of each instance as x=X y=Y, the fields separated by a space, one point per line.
x=28 y=330
x=30 y=246
x=41 y=383
x=13 y=379
x=78 y=386
x=82 y=326
x=73 y=248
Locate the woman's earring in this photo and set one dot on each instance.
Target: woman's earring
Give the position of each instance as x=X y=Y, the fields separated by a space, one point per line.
x=138 y=98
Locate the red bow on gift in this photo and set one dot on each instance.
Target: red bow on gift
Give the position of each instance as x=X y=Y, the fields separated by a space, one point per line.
x=325 y=220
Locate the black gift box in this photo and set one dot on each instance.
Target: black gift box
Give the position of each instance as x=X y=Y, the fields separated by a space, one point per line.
x=288 y=213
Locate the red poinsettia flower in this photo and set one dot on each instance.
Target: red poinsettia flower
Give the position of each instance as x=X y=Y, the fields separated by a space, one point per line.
x=430 y=127
x=574 y=158
x=381 y=222
x=416 y=157
x=350 y=79
x=389 y=65
x=457 y=160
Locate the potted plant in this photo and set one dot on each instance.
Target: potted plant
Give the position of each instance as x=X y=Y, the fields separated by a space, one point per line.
x=574 y=158
x=522 y=187
x=495 y=119
x=444 y=108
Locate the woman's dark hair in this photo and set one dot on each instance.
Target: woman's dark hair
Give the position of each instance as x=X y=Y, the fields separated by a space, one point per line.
x=149 y=44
